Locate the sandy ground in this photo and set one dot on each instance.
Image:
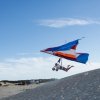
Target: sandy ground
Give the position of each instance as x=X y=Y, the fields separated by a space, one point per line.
x=6 y=91
x=84 y=86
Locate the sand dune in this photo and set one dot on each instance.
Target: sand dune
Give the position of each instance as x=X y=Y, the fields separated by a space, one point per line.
x=6 y=91
x=84 y=86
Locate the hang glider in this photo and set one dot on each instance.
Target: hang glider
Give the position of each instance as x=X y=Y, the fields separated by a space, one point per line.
x=67 y=51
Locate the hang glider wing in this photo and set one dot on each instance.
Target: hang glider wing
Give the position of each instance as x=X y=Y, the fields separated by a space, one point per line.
x=68 y=51
x=82 y=57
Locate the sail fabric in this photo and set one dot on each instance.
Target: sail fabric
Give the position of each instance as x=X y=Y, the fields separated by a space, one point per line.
x=64 y=47
x=68 y=51
x=82 y=57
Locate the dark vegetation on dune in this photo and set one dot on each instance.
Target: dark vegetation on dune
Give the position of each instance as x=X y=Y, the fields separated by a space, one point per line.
x=84 y=86
x=25 y=82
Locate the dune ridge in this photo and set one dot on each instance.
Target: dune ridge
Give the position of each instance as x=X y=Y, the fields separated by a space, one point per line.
x=83 y=86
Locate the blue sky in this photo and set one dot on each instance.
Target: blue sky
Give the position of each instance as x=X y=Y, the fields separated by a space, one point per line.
x=27 y=26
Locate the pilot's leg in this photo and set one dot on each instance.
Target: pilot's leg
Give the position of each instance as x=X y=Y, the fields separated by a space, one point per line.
x=53 y=68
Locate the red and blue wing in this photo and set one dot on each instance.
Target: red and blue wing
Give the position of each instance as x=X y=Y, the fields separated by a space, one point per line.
x=68 y=51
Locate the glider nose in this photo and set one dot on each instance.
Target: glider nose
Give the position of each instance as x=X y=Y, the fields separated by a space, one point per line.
x=42 y=50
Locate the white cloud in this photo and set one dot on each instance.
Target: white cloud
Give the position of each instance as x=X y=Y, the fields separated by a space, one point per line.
x=38 y=67
x=57 y=23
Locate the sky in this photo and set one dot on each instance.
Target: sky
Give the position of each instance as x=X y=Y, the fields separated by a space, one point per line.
x=28 y=26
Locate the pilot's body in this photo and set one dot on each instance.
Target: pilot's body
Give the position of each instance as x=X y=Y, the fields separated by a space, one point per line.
x=57 y=67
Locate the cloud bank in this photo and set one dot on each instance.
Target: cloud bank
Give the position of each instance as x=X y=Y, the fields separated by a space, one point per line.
x=38 y=67
x=58 y=23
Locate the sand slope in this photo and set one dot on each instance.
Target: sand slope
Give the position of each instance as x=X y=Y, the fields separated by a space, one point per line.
x=84 y=86
x=6 y=91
